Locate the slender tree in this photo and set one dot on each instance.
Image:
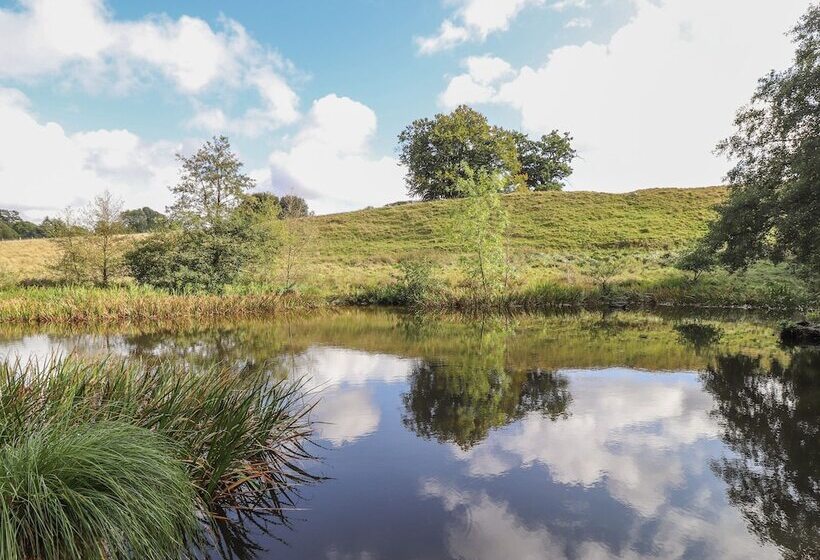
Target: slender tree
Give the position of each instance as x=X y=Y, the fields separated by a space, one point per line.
x=103 y=219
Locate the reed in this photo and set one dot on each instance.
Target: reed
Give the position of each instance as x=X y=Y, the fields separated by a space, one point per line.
x=84 y=305
x=239 y=434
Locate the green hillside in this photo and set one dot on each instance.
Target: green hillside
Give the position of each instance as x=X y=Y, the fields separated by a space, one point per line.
x=556 y=239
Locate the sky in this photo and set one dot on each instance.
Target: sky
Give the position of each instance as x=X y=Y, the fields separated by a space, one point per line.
x=102 y=94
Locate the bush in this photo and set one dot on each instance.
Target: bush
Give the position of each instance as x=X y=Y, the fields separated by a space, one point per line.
x=190 y=261
x=75 y=491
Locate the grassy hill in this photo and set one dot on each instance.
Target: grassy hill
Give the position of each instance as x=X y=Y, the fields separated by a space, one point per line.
x=554 y=237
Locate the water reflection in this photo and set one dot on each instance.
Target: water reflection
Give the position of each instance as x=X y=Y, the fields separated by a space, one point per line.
x=628 y=435
x=770 y=417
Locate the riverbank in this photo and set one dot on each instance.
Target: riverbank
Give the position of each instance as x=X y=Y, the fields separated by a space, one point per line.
x=72 y=305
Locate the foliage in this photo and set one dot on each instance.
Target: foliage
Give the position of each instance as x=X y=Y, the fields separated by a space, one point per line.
x=769 y=419
x=12 y=226
x=212 y=238
x=294 y=206
x=143 y=220
x=239 y=433
x=192 y=261
x=697 y=260
x=105 y=226
x=436 y=152
x=211 y=186
x=480 y=228
x=545 y=162
x=774 y=202
x=91 y=491
x=74 y=265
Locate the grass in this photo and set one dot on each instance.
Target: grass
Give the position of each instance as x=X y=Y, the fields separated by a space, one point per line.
x=102 y=490
x=556 y=241
x=237 y=435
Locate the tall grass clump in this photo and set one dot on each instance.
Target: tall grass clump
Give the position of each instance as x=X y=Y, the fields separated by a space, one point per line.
x=106 y=490
x=239 y=434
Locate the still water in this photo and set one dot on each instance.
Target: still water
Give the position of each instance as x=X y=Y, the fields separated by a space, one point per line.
x=583 y=436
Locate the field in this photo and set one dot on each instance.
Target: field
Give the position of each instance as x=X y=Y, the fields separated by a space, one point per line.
x=555 y=242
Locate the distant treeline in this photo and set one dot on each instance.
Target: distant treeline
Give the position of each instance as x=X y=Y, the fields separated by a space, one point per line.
x=138 y=220
x=12 y=226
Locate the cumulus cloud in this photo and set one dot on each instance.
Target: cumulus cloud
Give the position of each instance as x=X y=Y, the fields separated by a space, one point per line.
x=330 y=162
x=478 y=83
x=632 y=427
x=43 y=168
x=343 y=416
x=481 y=527
x=473 y=20
x=647 y=107
x=81 y=41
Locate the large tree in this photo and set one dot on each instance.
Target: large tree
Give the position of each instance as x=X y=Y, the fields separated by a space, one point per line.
x=211 y=239
x=773 y=210
x=142 y=220
x=437 y=150
x=545 y=162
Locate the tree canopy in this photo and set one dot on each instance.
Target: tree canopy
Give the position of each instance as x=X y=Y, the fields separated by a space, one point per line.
x=211 y=238
x=437 y=151
x=12 y=226
x=774 y=204
x=142 y=220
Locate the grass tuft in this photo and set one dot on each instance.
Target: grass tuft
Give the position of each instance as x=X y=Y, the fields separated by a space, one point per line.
x=105 y=490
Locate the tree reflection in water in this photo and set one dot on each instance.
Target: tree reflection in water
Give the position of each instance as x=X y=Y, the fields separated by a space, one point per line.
x=461 y=400
x=769 y=416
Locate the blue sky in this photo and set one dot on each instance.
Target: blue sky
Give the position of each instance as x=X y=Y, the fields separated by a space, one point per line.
x=100 y=94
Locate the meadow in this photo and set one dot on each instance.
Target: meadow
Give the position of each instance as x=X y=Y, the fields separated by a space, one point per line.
x=565 y=248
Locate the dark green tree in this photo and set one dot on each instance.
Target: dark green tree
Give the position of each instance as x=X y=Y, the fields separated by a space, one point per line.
x=143 y=220
x=294 y=206
x=437 y=150
x=773 y=207
x=210 y=240
x=12 y=226
x=545 y=162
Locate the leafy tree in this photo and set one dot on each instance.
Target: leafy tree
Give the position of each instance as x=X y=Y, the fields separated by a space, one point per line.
x=75 y=263
x=261 y=202
x=545 y=162
x=773 y=208
x=211 y=187
x=142 y=220
x=697 y=260
x=768 y=416
x=7 y=232
x=480 y=229
x=103 y=220
x=437 y=150
x=212 y=239
x=294 y=206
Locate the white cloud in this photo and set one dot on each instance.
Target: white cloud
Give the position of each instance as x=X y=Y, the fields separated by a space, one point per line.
x=476 y=85
x=474 y=20
x=80 y=40
x=647 y=108
x=330 y=163
x=343 y=416
x=43 y=169
x=631 y=425
x=480 y=527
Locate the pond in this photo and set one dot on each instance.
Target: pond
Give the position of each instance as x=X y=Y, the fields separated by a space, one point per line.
x=578 y=436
